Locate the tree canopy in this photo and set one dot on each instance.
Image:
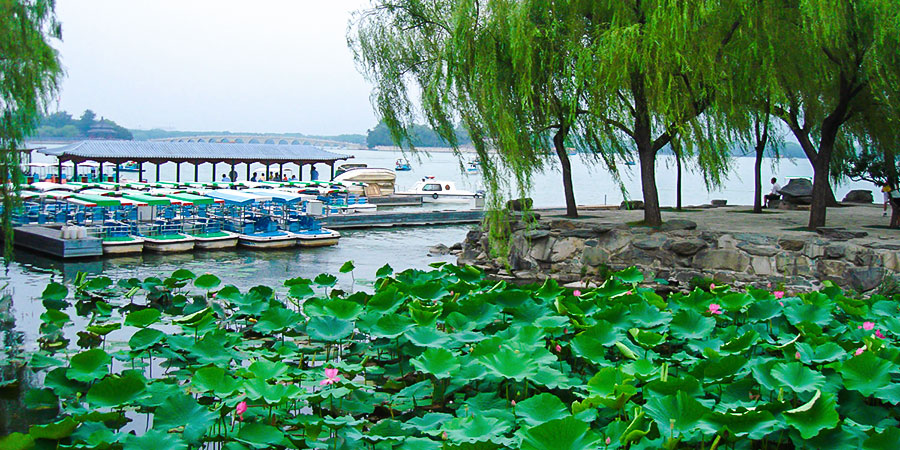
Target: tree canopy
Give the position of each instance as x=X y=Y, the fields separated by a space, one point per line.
x=29 y=75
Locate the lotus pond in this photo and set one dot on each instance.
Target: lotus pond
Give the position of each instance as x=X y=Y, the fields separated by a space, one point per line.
x=448 y=359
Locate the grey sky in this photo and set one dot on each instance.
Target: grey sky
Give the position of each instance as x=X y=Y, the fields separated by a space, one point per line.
x=214 y=65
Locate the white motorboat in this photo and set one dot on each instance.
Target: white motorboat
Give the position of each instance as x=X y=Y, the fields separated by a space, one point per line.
x=434 y=191
x=378 y=181
x=317 y=237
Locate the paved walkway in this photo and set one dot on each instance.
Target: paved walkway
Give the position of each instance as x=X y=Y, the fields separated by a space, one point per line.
x=778 y=222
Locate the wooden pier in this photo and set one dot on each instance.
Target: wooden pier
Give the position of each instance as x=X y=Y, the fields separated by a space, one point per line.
x=47 y=240
x=402 y=218
x=396 y=200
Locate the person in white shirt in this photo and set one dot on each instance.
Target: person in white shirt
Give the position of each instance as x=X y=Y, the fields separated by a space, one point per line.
x=775 y=194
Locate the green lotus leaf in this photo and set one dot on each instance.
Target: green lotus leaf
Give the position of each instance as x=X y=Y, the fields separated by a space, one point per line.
x=388 y=429
x=800 y=313
x=268 y=370
x=540 y=409
x=272 y=394
x=425 y=315
x=325 y=280
x=102 y=329
x=277 y=320
x=207 y=282
x=888 y=439
x=645 y=315
x=630 y=275
x=550 y=290
x=391 y=325
x=889 y=394
x=437 y=361
x=838 y=438
x=735 y=301
x=194 y=318
x=40 y=360
x=678 y=415
x=56 y=430
x=143 y=318
x=260 y=436
x=301 y=291
x=347 y=267
x=824 y=353
x=96 y=284
x=329 y=329
x=689 y=324
x=16 y=441
x=145 y=338
x=866 y=373
x=506 y=363
x=210 y=350
x=384 y=271
x=89 y=365
x=182 y=410
x=116 y=390
x=814 y=416
x=428 y=291
x=512 y=298
x=646 y=339
x=762 y=310
x=155 y=440
x=740 y=343
x=477 y=428
x=183 y=274
x=682 y=383
x=427 y=337
x=343 y=309
x=54 y=292
x=417 y=443
x=561 y=434
x=41 y=399
x=430 y=423
x=386 y=300
x=724 y=367
x=798 y=377
x=55 y=317
x=214 y=379
x=592 y=343
x=751 y=424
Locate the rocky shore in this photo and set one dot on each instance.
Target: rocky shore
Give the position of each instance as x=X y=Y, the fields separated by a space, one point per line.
x=579 y=252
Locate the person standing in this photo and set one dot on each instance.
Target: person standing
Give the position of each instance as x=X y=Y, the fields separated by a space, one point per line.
x=775 y=193
x=886 y=192
x=313 y=173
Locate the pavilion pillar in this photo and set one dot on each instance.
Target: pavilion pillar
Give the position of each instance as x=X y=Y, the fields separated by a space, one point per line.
x=196 y=172
x=248 y=171
x=214 y=172
x=300 y=171
x=75 y=171
x=178 y=172
x=332 y=170
x=59 y=169
x=157 y=172
x=118 y=166
x=100 y=172
x=268 y=172
x=280 y=171
x=141 y=172
x=232 y=172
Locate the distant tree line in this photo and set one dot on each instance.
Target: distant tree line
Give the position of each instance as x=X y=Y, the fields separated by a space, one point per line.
x=419 y=135
x=61 y=124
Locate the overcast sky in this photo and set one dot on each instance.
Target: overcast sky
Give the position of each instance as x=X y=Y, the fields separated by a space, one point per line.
x=214 y=65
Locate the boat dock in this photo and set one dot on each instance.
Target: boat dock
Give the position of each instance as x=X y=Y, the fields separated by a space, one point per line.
x=402 y=218
x=48 y=240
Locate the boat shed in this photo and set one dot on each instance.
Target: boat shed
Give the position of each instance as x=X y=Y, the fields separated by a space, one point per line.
x=195 y=153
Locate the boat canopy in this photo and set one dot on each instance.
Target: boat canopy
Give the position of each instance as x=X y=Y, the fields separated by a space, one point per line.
x=232 y=197
x=277 y=196
x=47 y=186
x=191 y=198
x=97 y=200
x=148 y=199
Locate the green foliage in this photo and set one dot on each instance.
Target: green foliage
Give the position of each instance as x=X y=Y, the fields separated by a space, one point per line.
x=491 y=366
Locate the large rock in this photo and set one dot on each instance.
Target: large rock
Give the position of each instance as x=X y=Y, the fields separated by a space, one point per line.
x=687 y=247
x=632 y=204
x=721 y=259
x=536 y=234
x=564 y=249
x=840 y=233
x=520 y=204
x=793 y=265
x=651 y=242
x=678 y=224
x=594 y=256
x=792 y=245
x=798 y=191
x=758 y=250
x=859 y=196
x=865 y=279
x=562 y=224
x=439 y=250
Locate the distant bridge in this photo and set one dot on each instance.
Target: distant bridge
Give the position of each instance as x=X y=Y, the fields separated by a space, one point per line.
x=261 y=139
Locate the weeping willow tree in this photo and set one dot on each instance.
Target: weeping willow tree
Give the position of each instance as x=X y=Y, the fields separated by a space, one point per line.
x=511 y=71
x=833 y=59
x=29 y=73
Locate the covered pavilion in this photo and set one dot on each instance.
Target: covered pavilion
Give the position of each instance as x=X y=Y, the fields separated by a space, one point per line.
x=194 y=153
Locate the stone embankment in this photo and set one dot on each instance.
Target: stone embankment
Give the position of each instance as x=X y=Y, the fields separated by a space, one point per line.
x=576 y=252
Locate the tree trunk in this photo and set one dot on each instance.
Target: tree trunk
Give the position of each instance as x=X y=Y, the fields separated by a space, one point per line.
x=646 y=152
x=822 y=196
x=559 y=142
x=809 y=149
x=678 y=180
x=757 y=169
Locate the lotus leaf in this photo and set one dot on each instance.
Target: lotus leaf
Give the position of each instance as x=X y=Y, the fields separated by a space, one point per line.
x=689 y=324
x=145 y=338
x=476 y=428
x=427 y=337
x=89 y=365
x=325 y=280
x=183 y=411
x=214 y=379
x=889 y=439
x=343 y=309
x=268 y=370
x=679 y=415
x=16 y=441
x=562 y=434
x=508 y=364
x=56 y=430
x=276 y=320
x=798 y=377
x=866 y=373
x=347 y=267
x=540 y=409
x=116 y=390
x=430 y=423
x=814 y=416
x=391 y=325
x=436 y=361
x=751 y=424
x=54 y=291
x=329 y=329
x=388 y=429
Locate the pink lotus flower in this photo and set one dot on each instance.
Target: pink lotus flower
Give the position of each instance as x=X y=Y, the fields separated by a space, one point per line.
x=240 y=409
x=797 y=355
x=878 y=334
x=558 y=348
x=514 y=403
x=629 y=292
x=608 y=440
x=565 y=331
x=712 y=286
x=779 y=294
x=781 y=303
x=867 y=326
x=331 y=377
x=577 y=293
x=714 y=308
x=859 y=351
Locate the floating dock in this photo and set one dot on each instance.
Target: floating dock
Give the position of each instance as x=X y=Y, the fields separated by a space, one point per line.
x=396 y=200
x=47 y=240
x=401 y=218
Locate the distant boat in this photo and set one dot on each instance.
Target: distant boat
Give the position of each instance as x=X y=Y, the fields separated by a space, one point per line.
x=438 y=191
x=344 y=168
x=629 y=162
x=130 y=166
x=378 y=181
x=402 y=165
x=472 y=166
